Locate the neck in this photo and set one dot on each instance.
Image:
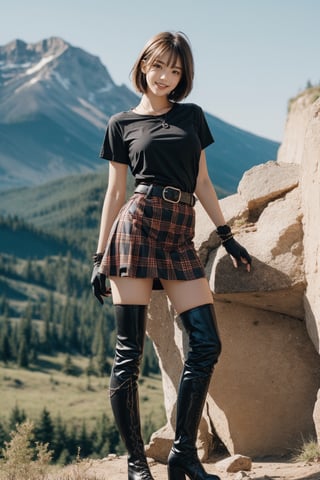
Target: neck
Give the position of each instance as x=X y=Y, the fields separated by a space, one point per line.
x=154 y=105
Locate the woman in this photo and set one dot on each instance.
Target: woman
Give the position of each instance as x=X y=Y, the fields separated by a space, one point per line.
x=148 y=242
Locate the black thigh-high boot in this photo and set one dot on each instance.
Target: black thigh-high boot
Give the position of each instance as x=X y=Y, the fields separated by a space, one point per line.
x=204 y=350
x=131 y=328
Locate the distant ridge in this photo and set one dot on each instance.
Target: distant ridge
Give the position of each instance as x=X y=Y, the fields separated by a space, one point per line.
x=55 y=100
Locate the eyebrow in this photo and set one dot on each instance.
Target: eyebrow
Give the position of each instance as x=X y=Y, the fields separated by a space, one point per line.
x=171 y=66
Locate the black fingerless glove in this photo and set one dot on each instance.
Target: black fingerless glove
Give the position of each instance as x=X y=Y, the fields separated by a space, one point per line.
x=234 y=248
x=98 y=280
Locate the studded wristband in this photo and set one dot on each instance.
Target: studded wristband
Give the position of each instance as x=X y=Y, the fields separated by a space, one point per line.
x=224 y=232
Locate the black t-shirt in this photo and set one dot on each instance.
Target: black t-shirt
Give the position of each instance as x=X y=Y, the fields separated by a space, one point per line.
x=156 y=154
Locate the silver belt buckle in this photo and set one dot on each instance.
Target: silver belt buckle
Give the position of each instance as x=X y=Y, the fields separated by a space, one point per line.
x=168 y=199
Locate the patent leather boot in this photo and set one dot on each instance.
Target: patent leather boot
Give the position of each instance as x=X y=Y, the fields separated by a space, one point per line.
x=204 y=350
x=131 y=328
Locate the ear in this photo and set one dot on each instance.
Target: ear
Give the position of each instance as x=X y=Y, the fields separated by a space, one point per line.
x=143 y=66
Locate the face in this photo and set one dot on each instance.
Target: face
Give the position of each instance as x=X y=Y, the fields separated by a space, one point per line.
x=161 y=77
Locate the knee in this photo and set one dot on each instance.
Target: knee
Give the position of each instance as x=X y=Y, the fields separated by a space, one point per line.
x=214 y=350
x=206 y=354
x=126 y=363
x=204 y=341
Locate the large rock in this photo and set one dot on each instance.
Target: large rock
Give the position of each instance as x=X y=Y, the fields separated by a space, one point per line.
x=310 y=187
x=300 y=112
x=266 y=182
x=301 y=146
x=316 y=416
x=262 y=396
x=278 y=266
x=265 y=384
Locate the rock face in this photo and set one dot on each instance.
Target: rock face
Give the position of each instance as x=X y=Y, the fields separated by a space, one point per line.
x=301 y=146
x=263 y=393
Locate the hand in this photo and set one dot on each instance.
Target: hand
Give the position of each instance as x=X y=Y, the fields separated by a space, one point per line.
x=98 y=280
x=238 y=253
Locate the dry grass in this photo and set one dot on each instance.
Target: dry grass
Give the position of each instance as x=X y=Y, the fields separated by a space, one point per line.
x=23 y=460
x=309 y=452
x=78 y=470
x=73 y=398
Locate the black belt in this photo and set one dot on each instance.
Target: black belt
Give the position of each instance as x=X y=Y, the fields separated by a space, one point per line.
x=170 y=194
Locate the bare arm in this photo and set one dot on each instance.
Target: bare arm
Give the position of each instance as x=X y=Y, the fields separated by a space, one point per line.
x=113 y=201
x=206 y=193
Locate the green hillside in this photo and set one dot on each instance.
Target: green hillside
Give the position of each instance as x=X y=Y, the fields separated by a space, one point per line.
x=24 y=240
x=69 y=209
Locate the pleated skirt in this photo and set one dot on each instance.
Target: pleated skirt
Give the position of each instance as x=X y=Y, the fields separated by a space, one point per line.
x=153 y=238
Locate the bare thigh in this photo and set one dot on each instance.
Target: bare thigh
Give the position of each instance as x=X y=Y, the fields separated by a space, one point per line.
x=187 y=294
x=131 y=291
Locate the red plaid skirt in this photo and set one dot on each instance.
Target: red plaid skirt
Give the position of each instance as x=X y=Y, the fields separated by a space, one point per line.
x=153 y=238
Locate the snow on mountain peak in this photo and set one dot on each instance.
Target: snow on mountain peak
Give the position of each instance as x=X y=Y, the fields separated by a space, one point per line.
x=38 y=66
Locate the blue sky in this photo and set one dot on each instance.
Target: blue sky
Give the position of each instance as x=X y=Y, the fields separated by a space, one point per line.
x=251 y=56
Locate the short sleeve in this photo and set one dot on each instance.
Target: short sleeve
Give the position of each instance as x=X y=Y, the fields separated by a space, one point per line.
x=204 y=132
x=114 y=147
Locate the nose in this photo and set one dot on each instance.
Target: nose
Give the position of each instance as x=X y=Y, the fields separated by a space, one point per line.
x=164 y=73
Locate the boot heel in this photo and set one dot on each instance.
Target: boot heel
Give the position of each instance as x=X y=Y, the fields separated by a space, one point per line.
x=175 y=473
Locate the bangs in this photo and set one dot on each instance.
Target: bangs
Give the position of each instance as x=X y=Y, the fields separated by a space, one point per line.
x=162 y=50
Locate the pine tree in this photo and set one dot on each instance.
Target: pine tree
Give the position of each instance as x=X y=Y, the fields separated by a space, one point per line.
x=309 y=84
x=23 y=354
x=25 y=326
x=72 y=441
x=54 y=335
x=4 y=435
x=4 y=306
x=5 y=351
x=47 y=317
x=145 y=366
x=34 y=345
x=68 y=367
x=5 y=332
x=103 y=366
x=100 y=345
x=59 y=440
x=90 y=370
x=69 y=335
x=16 y=417
x=44 y=427
x=84 y=442
x=14 y=341
x=27 y=272
x=105 y=437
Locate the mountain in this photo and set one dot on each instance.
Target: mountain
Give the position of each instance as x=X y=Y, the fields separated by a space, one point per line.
x=55 y=100
x=54 y=103
x=24 y=240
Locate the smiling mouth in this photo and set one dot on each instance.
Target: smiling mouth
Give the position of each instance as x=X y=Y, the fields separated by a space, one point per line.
x=161 y=85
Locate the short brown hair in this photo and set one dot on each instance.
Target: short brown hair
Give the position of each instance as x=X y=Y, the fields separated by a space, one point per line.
x=178 y=46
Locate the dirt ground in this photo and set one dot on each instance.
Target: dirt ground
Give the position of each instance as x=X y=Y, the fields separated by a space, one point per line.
x=115 y=468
